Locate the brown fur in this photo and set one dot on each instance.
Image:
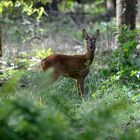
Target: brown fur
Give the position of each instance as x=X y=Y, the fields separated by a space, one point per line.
x=75 y=66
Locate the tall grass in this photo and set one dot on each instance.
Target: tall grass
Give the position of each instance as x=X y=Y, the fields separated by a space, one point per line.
x=55 y=111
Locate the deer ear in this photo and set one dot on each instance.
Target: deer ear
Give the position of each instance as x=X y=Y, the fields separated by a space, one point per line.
x=96 y=35
x=84 y=34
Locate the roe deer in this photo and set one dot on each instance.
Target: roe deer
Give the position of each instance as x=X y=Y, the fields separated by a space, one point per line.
x=75 y=66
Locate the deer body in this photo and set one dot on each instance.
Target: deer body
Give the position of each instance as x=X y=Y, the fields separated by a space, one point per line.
x=75 y=66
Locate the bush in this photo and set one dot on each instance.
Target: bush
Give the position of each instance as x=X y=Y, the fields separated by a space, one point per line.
x=21 y=119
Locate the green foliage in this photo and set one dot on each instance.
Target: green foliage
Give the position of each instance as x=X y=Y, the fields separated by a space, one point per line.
x=124 y=65
x=11 y=79
x=24 y=120
x=127 y=41
x=19 y=33
x=30 y=10
x=125 y=54
x=25 y=6
x=43 y=111
x=67 y=6
x=96 y=8
x=43 y=53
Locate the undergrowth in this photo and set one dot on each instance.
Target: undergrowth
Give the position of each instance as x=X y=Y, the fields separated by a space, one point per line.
x=43 y=110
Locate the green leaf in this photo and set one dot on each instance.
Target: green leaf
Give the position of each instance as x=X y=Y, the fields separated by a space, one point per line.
x=1 y=9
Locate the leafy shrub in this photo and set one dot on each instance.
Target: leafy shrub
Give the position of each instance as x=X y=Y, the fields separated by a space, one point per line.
x=44 y=53
x=125 y=55
x=42 y=111
x=11 y=80
x=125 y=60
x=24 y=120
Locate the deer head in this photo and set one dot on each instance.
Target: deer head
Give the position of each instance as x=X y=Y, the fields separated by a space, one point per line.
x=90 y=40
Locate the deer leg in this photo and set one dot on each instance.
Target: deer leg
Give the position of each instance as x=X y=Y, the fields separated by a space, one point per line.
x=56 y=75
x=80 y=85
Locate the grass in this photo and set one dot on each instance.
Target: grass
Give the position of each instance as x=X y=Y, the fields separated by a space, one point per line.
x=43 y=110
x=109 y=113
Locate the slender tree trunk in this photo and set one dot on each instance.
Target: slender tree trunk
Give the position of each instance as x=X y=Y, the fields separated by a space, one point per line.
x=126 y=13
x=119 y=12
x=111 y=8
x=138 y=14
x=0 y=39
x=0 y=43
x=110 y=5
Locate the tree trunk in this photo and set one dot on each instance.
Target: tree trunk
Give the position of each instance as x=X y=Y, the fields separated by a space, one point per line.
x=110 y=5
x=111 y=8
x=126 y=13
x=0 y=39
x=138 y=14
